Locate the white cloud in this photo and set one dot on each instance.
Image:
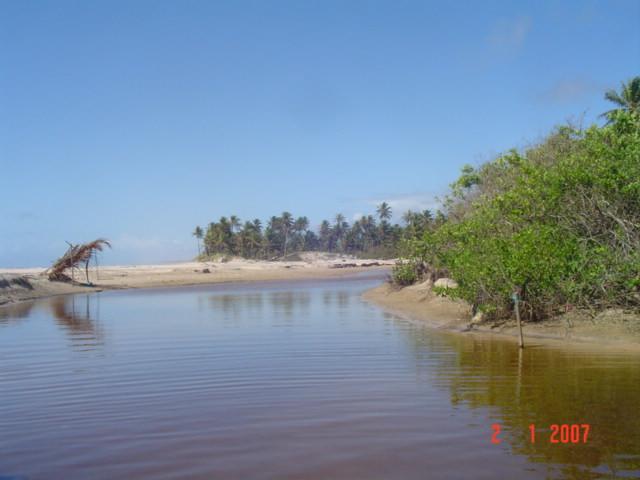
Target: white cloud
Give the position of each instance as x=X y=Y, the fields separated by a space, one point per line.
x=401 y=203
x=570 y=90
x=133 y=242
x=508 y=36
x=128 y=248
x=26 y=216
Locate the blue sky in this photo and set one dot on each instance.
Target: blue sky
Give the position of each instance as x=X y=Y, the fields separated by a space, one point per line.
x=137 y=121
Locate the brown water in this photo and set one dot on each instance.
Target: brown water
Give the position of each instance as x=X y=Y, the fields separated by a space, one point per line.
x=284 y=381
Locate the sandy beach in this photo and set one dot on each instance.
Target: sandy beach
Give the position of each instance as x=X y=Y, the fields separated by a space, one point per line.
x=416 y=302
x=30 y=283
x=609 y=329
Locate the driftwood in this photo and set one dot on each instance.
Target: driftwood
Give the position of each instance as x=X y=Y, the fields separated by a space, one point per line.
x=354 y=265
x=74 y=257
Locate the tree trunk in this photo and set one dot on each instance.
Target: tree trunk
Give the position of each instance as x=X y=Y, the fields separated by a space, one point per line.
x=517 y=307
x=285 y=243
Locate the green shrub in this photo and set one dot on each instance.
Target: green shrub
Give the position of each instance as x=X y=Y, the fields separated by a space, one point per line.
x=558 y=221
x=404 y=273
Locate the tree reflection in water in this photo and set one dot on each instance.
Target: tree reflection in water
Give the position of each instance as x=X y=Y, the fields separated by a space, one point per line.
x=543 y=385
x=16 y=312
x=79 y=316
x=290 y=305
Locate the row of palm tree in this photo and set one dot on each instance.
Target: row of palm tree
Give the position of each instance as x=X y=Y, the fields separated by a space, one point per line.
x=285 y=234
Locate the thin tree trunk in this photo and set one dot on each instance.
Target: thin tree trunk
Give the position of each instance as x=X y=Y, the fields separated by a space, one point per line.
x=517 y=307
x=95 y=259
x=285 y=244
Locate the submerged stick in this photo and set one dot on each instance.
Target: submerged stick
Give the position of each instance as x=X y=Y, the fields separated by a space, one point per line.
x=516 y=301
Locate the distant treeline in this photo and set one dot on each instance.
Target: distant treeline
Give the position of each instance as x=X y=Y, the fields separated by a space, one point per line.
x=284 y=235
x=557 y=223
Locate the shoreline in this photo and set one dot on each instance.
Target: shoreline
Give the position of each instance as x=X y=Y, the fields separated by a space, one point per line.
x=18 y=285
x=417 y=303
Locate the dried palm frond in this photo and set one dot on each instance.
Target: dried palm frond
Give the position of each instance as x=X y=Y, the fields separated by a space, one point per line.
x=75 y=256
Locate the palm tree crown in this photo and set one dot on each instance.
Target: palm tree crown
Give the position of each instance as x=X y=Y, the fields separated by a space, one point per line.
x=234 y=221
x=199 y=234
x=384 y=211
x=628 y=99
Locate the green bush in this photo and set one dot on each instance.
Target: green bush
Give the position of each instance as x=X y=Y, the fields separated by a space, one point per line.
x=560 y=222
x=404 y=273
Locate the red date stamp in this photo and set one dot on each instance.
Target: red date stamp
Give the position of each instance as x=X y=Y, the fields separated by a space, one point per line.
x=558 y=433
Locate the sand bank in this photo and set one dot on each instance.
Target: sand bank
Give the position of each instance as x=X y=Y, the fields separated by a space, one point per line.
x=610 y=329
x=26 y=284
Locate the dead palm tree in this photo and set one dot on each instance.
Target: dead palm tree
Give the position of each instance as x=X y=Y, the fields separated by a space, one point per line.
x=74 y=257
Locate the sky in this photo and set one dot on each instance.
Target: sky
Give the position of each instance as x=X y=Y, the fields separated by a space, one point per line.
x=137 y=121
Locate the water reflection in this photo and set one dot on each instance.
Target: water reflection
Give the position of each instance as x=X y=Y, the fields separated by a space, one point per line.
x=340 y=298
x=15 y=312
x=545 y=386
x=290 y=304
x=294 y=381
x=79 y=316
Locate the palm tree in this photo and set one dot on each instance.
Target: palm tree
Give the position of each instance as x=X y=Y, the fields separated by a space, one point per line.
x=325 y=235
x=249 y=240
x=234 y=222
x=283 y=234
x=225 y=235
x=300 y=226
x=287 y=222
x=339 y=230
x=370 y=231
x=209 y=239
x=198 y=233
x=628 y=99
x=384 y=211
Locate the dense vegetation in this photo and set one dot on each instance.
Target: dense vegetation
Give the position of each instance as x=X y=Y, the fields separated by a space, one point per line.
x=285 y=235
x=558 y=222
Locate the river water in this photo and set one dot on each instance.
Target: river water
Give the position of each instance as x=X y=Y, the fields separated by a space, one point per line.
x=296 y=380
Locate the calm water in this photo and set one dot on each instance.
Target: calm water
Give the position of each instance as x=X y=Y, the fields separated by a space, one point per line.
x=284 y=381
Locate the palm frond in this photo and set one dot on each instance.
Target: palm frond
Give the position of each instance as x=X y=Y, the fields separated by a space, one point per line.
x=614 y=97
x=609 y=113
x=628 y=98
x=73 y=257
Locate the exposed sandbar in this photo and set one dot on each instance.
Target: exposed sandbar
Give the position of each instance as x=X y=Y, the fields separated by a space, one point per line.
x=26 y=284
x=610 y=329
